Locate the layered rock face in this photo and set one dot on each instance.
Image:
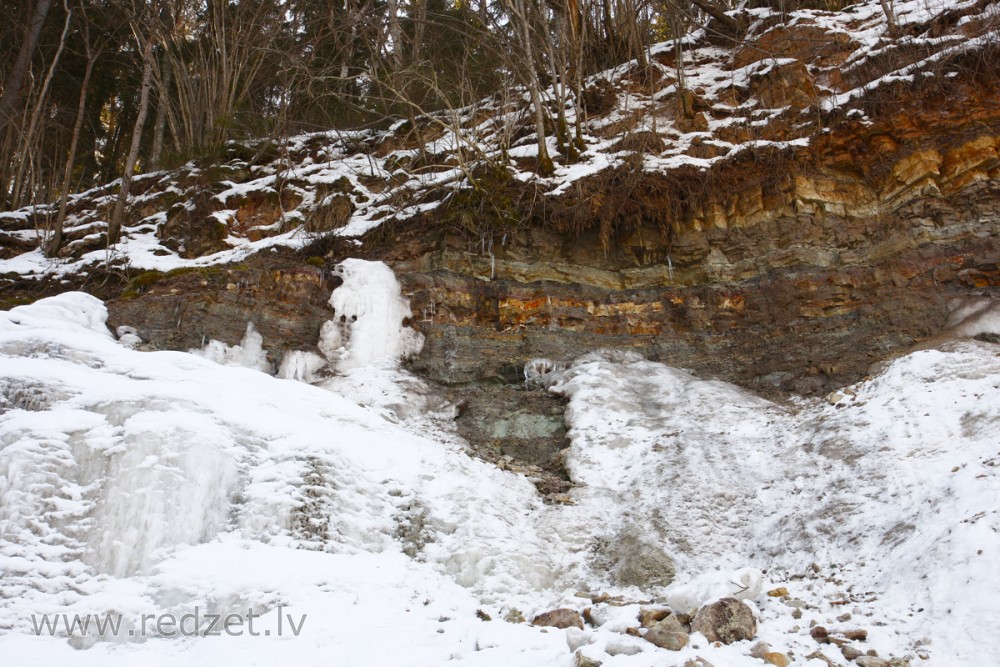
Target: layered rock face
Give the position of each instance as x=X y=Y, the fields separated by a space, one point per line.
x=786 y=271
x=287 y=303
x=792 y=277
x=810 y=202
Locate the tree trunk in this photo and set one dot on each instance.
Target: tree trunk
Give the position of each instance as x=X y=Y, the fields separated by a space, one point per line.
x=394 y=54
x=56 y=241
x=730 y=25
x=115 y=224
x=890 y=17
x=161 y=113
x=15 y=78
x=57 y=231
x=27 y=144
x=523 y=26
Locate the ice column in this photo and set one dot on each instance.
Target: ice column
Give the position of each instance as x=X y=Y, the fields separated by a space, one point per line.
x=369 y=324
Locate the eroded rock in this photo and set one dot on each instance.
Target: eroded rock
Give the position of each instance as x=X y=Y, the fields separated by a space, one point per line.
x=727 y=620
x=668 y=634
x=559 y=618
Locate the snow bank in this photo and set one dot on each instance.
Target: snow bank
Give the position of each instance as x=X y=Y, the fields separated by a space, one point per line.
x=66 y=312
x=131 y=480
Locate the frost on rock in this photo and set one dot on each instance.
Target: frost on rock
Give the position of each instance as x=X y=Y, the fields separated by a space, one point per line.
x=249 y=353
x=371 y=321
x=973 y=317
x=634 y=559
x=128 y=336
x=542 y=373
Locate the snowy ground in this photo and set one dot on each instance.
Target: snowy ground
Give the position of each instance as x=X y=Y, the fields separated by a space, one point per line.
x=159 y=484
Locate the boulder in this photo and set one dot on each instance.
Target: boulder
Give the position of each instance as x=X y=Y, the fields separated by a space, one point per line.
x=777 y=659
x=580 y=660
x=668 y=634
x=559 y=618
x=871 y=661
x=635 y=560
x=727 y=620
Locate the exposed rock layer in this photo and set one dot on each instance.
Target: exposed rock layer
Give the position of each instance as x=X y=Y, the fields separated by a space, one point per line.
x=796 y=286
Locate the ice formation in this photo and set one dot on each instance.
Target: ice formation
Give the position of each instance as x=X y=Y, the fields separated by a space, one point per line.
x=301 y=365
x=249 y=353
x=371 y=318
x=370 y=327
x=541 y=373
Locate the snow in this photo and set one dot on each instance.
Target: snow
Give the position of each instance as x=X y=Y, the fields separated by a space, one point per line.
x=158 y=483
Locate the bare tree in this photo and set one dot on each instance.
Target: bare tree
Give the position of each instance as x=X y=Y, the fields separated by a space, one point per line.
x=15 y=78
x=524 y=16
x=890 y=16
x=56 y=240
x=145 y=36
x=27 y=145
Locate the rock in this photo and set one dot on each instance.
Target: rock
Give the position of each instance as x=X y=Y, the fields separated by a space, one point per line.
x=637 y=561
x=856 y=635
x=650 y=617
x=778 y=592
x=726 y=621
x=514 y=616
x=818 y=655
x=698 y=662
x=819 y=633
x=614 y=648
x=759 y=650
x=871 y=661
x=333 y=213
x=796 y=614
x=777 y=659
x=580 y=660
x=668 y=634
x=559 y=618
x=850 y=652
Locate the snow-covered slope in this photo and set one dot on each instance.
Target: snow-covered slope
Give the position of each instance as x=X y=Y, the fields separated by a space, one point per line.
x=795 y=74
x=136 y=483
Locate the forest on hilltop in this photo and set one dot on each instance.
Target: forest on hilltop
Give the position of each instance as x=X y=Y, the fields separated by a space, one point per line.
x=92 y=89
